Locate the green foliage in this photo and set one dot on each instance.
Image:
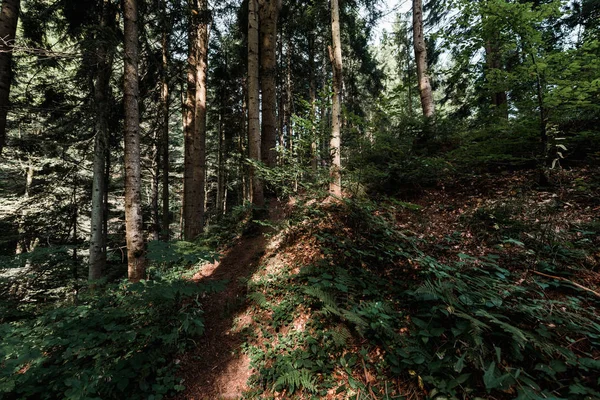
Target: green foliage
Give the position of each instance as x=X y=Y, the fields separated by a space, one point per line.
x=116 y=344
x=470 y=328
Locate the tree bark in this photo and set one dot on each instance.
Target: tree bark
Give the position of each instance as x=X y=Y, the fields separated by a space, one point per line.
x=220 y=208
x=421 y=61
x=195 y=129
x=254 y=139
x=97 y=260
x=312 y=92
x=164 y=101
x=8 y=28
x=136 y=260
x=335 y=54
x=268 y=16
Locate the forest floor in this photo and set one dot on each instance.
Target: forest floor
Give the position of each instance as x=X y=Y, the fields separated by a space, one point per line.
x=491 y=214
x=217 y=368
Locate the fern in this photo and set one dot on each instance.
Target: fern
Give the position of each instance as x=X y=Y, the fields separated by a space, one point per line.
x=340 y=335
x=294 y=379
x=259 y=299
x=327 y=299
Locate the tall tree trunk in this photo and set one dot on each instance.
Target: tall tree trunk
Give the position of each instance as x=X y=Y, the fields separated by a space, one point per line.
x=312 y=91
x=164 y=102
x=254 y=142
x=97 y=260
x=421 y=61
x=221 y=164
x=189 y=123
x=289 y=99
x=269 y=14
x=136 y=260
x=8 y=28
x=154 y=228
x=335 y=54
x=195 y=129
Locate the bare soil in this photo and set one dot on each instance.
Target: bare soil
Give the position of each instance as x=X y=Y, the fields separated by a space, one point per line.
x=217 y=368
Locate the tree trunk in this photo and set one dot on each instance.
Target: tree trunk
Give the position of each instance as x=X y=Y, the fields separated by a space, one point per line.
x=254 y=142
x=136 y=261
x=164 y=102
x=97 y=260
x=8 y=29
x=195 y=124
x=312 y=91
x=493 y=61
x=269 y=14
x=154 y=227
x=221 y=165
x=289 y=98
x=335 y=54
x=421 y=61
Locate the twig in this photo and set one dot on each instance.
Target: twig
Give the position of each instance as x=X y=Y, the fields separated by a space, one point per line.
x=568 y=281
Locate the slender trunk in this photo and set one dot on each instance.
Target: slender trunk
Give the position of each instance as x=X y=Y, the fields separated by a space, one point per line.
x=254 y=140
x=281 y=105
x=164 y=101
x=335 y=54
x=269 y=14
x=154 y=228
x=74 y=267
x=136 y=261
x=289 y=99
x=97 y=260
x=312 y=90
x=220 y=166
x=8 y=28
x=421 y=61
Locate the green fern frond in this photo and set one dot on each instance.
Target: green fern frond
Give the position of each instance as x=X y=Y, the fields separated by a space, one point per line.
x=294 y=379
x=327 y=299
x=258 y=298
x=340 y=335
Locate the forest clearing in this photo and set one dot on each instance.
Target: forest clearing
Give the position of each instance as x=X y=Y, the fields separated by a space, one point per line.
x=269 y=199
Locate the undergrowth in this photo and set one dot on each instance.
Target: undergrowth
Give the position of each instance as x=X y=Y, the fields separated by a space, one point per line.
x=116 y=341
x=372 y=315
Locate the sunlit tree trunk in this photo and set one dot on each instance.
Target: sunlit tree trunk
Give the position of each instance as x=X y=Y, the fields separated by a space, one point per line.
x=221 y=166
x=164 y=102
x=195 y=122
x=421 y=61
x=97 y=259
x=254 y=142
x=335 y=54
x=312 y=90
x=8 y=28
x=269 y=14
x=136 y=261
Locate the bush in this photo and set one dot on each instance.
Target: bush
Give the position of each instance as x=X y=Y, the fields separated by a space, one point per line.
x=113 y=346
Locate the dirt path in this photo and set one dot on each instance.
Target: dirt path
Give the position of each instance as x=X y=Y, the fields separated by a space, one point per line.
x=217 y=368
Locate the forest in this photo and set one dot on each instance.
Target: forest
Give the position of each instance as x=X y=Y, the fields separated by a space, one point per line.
x=309 y=199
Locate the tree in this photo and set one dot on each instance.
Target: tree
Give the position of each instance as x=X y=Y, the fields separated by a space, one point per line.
x=421 y=61
x=136 y=261
x=104 y=62
x=268 y=16
x=254 y=139
x=195 y=121
x=164 y=101
x=8 y=28
x=335 y=54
